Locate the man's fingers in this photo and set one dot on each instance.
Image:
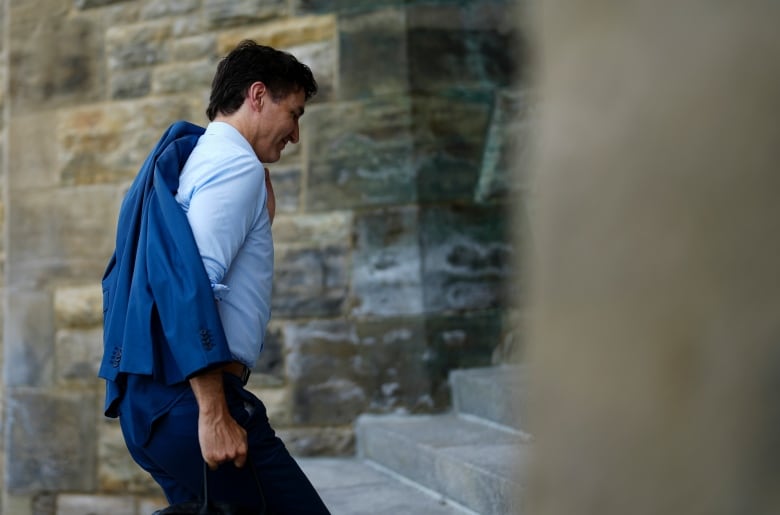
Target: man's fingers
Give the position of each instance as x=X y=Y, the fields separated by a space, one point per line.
x=241 y=453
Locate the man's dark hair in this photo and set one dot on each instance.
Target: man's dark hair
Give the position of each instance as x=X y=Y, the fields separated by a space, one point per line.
x=248 y=63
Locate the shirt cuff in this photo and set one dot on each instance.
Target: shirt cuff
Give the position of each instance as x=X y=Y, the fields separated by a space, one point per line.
x=220 y=290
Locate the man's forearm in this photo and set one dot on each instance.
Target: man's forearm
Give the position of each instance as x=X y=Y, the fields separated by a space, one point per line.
x=221 y=437
x=209 y=390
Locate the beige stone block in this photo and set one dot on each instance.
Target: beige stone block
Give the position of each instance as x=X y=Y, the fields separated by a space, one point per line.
x=116 y=470
x=285 y=33
x=91 y=140
x=51 y=441
x=60 y=68
x=277 y=403
x=114 y=138
x=201 y=46
x=182 y=77
x=155 y=115
x=307 y=230
x=17 y=504
x=322 y=58
x=28 y=338
x=52 y=228
x=79 y=306
x=30 y=163
x=151 y=504
x=78 y=355
x=74 y=504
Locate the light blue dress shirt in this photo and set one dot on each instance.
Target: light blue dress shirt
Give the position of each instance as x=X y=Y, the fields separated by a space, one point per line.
x=222 y=190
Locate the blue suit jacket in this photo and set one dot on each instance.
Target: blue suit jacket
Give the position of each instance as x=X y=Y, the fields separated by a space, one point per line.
x=159 y=315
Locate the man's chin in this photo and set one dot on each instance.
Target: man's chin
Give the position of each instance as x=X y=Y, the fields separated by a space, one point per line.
x=271 y=158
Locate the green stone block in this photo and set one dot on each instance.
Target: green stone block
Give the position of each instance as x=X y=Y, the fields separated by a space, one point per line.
x=269 y=369
x=88 y=4
x=457 y=59
x=339 y=369
x=340 y=130
x=386 y=263
x=286 y=182
x=444 y=178
x=466 y=258
x=392 y=362
x=459 y=342
x=310 y=282
x=315 y=6
x=222 y=13
x=383 y=178
x=153 y=10
x=343 y=6
x=360 y=155
x=449 y=142
x=320 y=367
x=507 y=151
x=373 y=60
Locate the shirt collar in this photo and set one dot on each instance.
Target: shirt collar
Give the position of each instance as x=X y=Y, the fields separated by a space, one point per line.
x=229 y=132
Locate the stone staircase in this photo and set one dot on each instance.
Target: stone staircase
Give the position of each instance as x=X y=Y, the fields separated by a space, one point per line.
x=466 y=461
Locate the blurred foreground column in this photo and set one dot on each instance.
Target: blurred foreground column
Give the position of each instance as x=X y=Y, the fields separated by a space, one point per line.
x=655 y=334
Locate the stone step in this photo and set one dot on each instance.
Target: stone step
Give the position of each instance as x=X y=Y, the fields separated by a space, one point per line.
x=474 y=464
x=496 y=394
x=349 y=486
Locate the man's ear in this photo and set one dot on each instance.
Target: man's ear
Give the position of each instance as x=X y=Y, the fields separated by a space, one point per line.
x=256 y=94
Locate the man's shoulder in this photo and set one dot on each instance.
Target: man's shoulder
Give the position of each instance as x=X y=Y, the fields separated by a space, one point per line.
x=221 y=164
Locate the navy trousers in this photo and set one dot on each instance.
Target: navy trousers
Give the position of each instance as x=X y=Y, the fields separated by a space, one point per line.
x=172 y=456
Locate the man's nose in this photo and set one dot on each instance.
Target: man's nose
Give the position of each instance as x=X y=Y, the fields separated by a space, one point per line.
x=295 y=134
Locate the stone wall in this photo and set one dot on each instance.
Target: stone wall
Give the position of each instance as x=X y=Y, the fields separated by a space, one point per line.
x=393 y=256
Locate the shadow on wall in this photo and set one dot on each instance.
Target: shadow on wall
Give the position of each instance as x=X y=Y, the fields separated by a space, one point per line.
x=655 y=292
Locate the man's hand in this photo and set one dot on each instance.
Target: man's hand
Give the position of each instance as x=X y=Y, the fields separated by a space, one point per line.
x=221 y=438
x=271 y=200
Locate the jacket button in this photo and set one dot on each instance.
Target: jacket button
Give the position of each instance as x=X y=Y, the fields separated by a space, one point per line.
x=205 y=339
x=116 y=357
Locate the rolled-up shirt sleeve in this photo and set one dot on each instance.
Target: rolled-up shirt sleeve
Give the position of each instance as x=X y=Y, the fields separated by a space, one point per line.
x=221 y=208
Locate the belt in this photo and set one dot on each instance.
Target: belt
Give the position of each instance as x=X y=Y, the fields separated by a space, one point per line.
x=239 y=370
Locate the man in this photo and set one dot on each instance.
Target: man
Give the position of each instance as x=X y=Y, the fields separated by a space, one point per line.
x=187 y=293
